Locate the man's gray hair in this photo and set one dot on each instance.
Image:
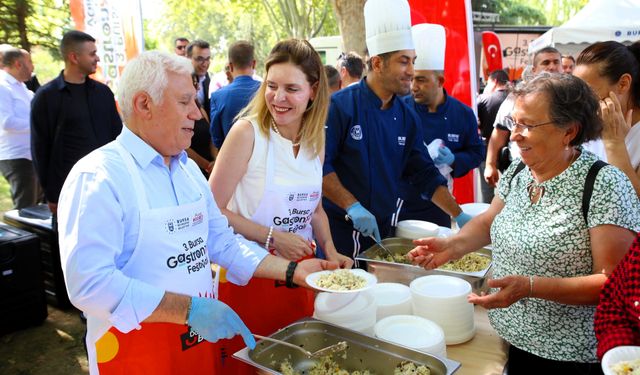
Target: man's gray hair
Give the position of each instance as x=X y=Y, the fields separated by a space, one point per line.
x=148 y=73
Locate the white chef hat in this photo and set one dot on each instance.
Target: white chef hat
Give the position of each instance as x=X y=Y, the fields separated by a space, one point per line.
x=388 y=26
x=430 y=41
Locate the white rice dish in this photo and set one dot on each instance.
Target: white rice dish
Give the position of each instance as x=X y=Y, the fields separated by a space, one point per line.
x=340 y=280
x=627 y=367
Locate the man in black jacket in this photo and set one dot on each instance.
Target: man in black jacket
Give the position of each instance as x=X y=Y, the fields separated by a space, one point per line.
x=71 y=115
x=199 y=52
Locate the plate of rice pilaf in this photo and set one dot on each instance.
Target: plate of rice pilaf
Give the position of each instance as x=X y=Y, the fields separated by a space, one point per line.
x=622 y=360
x=341 y=280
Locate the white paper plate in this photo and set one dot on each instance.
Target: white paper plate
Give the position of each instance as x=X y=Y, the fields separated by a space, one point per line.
x=370 y=279
x=617 y=355
x=412 y=331
x=474 y=209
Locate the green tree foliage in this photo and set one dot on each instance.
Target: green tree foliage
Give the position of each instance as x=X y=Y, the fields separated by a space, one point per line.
x=27 y=23
x=530 y=12
x=225 y=21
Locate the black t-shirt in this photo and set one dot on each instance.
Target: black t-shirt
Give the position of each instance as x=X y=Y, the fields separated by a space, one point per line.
x=488 y=106
x=78 y=136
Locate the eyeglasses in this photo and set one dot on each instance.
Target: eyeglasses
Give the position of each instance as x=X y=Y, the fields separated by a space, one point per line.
x=200 y=59
x=512 y=125
x=181 y=47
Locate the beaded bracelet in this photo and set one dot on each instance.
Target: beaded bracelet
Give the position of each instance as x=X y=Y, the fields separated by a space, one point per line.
x=269 y=236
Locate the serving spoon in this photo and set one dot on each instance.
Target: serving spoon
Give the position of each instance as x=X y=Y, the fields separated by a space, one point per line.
x=342 y=345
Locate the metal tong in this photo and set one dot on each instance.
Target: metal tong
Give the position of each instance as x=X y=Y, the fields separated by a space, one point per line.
x=342 y=345
x=379 y=243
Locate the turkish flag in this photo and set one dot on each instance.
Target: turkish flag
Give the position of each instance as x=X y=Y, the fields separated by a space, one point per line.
x=492 y=52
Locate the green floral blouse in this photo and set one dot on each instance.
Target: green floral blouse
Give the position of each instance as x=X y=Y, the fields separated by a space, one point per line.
x=550 y=239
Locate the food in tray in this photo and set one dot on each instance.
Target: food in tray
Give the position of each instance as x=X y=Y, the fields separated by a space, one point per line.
x=469 y=263
x=327 y=366
x=395 y=258
x=627 y=367
x=341 y=280
x=410 y=368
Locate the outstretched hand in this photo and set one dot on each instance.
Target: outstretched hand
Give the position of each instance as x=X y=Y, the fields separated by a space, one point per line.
x=309 y=266
x=512 y=288
x=431 y=252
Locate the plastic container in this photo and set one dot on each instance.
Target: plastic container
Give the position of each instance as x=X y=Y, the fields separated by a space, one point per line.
x=443 y=299
x=392 y=299
x=414 y=332
x=414 y=229
x=356 y=311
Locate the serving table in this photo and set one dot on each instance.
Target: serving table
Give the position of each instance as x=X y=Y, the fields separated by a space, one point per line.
x=484 y=354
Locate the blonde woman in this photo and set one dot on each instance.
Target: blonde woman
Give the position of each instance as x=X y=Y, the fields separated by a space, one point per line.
x=268 y=182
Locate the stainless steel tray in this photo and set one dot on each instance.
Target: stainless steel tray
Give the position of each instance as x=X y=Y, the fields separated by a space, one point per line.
x=364 y=352
x=390 y=272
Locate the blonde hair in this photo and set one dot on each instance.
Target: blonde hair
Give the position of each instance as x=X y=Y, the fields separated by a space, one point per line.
x=301 y=54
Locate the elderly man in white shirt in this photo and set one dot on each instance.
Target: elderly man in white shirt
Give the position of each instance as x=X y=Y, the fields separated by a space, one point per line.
x=138 y=229
x=15 y=139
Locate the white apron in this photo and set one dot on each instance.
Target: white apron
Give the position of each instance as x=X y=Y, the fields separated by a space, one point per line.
x=171 y=253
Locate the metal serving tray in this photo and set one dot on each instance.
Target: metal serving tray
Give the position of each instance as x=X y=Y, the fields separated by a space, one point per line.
x=391 y=272
x=364 y=352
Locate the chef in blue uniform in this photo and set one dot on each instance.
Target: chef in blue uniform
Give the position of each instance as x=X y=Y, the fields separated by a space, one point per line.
x=443 y=118
x=374 y=141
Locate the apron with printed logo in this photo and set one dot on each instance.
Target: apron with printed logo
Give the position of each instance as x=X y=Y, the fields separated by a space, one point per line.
x=267 y=305
x=171 y=253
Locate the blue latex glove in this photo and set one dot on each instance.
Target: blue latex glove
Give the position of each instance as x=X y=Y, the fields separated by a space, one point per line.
x=445 y=156
x=214 y=320
x=462 y=219
x=363 y=220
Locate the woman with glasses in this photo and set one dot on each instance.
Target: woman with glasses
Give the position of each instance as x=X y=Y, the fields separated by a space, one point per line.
x=613 y=72
x=550 y=257
x=268 y=182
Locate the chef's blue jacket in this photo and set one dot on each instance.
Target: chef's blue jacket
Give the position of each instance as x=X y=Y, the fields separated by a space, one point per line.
x=371 y=150
x=456 y=124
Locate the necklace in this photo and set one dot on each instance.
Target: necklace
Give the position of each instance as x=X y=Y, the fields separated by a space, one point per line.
x=275 y=129
x=536 y=190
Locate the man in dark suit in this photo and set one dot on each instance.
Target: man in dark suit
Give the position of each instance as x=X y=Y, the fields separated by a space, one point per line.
x=71 y=116
x=200 y=54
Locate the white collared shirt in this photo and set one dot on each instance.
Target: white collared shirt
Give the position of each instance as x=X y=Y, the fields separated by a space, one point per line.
x=15 y=109
x=98 y=227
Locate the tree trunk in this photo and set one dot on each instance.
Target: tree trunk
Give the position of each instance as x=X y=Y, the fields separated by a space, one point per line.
x=22 y=11
x=350 y=15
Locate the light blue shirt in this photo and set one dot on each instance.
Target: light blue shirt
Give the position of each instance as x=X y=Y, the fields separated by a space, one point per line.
x=98 y=225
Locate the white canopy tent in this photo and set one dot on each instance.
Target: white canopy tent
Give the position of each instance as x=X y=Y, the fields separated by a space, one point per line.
x=598 y=21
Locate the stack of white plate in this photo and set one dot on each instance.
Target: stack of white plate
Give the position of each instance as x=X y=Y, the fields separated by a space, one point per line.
x=392 y=299
x=356 y=311
x=413 y=331
x=443 y=299
x=414 y=229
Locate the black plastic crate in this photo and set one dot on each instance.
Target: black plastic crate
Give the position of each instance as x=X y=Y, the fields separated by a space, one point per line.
x=22 y=297
x=40 y=225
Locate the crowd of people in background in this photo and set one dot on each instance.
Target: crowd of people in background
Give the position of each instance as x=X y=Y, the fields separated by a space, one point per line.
x=312 y=164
